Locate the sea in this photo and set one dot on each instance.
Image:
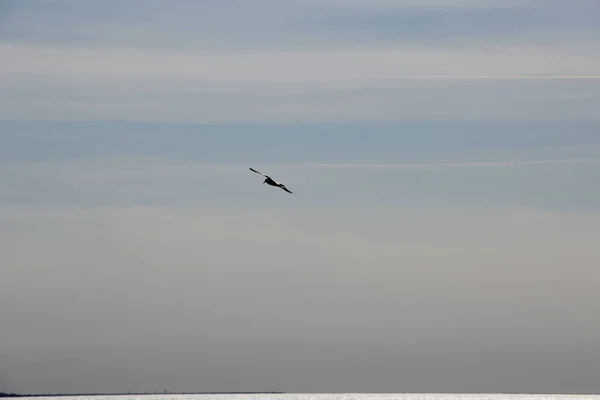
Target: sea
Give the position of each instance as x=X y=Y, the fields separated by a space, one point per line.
x=346 y=396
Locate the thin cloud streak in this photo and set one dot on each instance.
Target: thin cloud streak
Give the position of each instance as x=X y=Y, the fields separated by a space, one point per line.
x=467 y=164
x=360 y=83
x=482 y=77
x=477 y=164
x=398 y=4
x=295 y=68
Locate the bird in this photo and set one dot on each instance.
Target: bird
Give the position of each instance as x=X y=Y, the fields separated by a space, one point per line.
x=270 y=181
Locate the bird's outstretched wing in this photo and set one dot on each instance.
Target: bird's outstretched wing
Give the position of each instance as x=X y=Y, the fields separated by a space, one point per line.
x=284 y=188
x=260 y=173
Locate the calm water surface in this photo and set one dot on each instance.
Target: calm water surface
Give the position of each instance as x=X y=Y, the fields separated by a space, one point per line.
x=348 y=396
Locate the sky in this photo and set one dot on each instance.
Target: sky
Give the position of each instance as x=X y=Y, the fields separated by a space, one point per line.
x=442 y=236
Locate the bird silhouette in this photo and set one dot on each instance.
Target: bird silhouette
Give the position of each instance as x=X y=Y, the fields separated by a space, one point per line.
x=271 y=181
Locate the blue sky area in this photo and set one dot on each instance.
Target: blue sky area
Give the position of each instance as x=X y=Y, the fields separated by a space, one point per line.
x=442 y=236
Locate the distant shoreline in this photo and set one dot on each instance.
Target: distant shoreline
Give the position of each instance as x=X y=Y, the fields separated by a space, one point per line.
x=8 y=395
x=15 y=395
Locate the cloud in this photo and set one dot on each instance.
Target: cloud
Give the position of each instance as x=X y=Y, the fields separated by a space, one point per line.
x=300 y=61
x=422 y=256
x=125 y=181
x=369 y=83
x=296 y=69
x=514 y=163
x=120 y=168
x=285 y=24
x=207 y=289
x=398 y=4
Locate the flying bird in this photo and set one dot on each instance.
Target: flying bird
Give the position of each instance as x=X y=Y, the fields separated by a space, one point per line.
x=270 y=181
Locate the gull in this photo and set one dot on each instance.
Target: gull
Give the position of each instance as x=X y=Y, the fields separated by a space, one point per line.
x=270 y=181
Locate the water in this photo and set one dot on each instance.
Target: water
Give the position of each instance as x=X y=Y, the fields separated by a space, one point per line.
x=348 y=396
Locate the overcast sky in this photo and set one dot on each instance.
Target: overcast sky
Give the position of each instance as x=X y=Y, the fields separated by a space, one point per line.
x=443 y=233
